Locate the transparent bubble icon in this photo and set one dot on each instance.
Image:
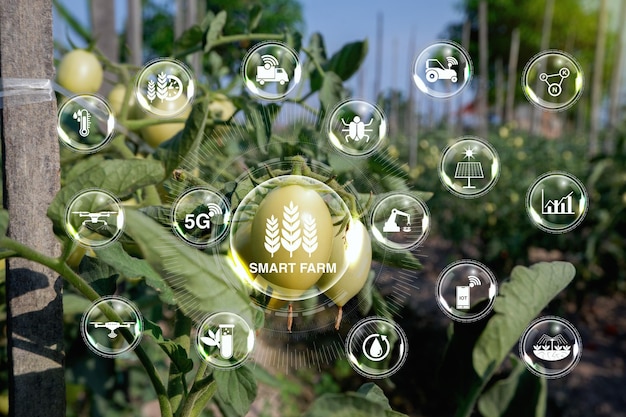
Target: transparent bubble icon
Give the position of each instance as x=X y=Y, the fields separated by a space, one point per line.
x=466 y=291
x=85 y=123
x=469 y=168
x=442 y=70
x=550 y=347
x=356 y=128
x=165 y=88
x=94 y=218
x=557 y=202
x=200 y=217
x=400 y=221
x=271 y=70
x=224 y=340
x=376 y=347
x=553 y=80
x=112 y=326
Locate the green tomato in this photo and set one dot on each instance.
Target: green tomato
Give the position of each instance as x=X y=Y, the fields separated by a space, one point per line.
x=116 y=100
x=80 y=72
x=156 y=134
x=290 y=241
x=357 y=253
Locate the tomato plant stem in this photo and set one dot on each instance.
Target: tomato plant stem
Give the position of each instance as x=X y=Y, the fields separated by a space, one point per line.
x=231 y=39
x=59 y=266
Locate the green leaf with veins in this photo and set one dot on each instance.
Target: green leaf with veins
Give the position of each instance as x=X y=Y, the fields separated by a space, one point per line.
x=348 y=59
x=237 y=388
x=215 y=30
x=116 y=257
x=100 y=276
x=200 y=283
x=4 y=222
x=520 y=300
x=368 y=401
x=174 y=151
x=120 y=177
x=521 y=394
x=174 y=351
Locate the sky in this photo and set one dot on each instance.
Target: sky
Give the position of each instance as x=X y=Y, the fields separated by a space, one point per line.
x=343 y=21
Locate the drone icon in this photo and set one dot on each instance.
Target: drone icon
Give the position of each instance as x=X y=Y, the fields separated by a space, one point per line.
x=95 y=218
x=112 y=326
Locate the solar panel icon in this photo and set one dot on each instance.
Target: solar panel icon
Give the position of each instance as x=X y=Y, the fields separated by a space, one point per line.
x=469 y=169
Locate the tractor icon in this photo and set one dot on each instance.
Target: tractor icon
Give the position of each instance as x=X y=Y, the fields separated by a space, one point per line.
x=436 y=71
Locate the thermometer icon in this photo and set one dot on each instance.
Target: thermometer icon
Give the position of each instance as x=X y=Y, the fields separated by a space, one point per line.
x=83 y=117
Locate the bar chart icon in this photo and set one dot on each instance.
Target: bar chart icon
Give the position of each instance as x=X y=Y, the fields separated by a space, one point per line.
x=561 y=206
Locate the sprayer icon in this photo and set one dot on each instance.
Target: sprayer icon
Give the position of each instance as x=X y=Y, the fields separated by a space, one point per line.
x=222 y=338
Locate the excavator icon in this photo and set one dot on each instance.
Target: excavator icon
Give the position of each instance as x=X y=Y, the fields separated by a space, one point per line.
x=112 y=326
x=391 y=225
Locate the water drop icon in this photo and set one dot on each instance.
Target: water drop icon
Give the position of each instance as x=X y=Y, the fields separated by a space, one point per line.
x=376 y=350
x=376 y=347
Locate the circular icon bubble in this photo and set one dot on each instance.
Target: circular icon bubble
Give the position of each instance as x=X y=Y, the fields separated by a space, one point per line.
x=550 y=347
x=356 y=128
x=400 y=221
x=376 y=347
x=94 y=218
x=442 y=70
x=165 y=87
x=271 y=70
x=224 y=340
x=466 y=291
x=282 y=237
x=557 y=202
x=553 y=80
x=469 y=168
x=200 y=217
x=112 y=326
x=85 y=123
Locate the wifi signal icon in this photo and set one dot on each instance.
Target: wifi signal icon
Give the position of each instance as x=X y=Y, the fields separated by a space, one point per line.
x=474 y=281
x=452 y=61
x=214 y=209
x=269 y=61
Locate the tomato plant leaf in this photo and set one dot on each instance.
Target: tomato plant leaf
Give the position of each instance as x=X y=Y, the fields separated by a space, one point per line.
x=172 y=152
x=174 y=351
x=74 y=304
x=254 y=17
x=200 y=282
x=348 y=59
x=520 y=394
x=120 y=177
x=261 y=118
x=215 y=30
x=520 y=300
x=373 y=393
x=100 y=276
x=331 y=91
x=115 y=256
x=4 y=222
x=189 y=38
x=237 y=388
x=352 y=404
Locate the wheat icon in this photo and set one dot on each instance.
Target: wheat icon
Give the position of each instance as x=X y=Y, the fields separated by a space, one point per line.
x=151 y=91
x=309 y=240
x=272 y=243
x=161 y=90
x=291 y=229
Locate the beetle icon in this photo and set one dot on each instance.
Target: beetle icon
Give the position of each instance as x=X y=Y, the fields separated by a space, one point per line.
x=357 y=129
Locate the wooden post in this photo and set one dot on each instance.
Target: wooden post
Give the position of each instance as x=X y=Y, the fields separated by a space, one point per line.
x=107 y=41
x=546 y=33
x=31 y=179
x=596 y=83
x=483 y=75
x=616 y=82
x=512 y=76
x=134 y=32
